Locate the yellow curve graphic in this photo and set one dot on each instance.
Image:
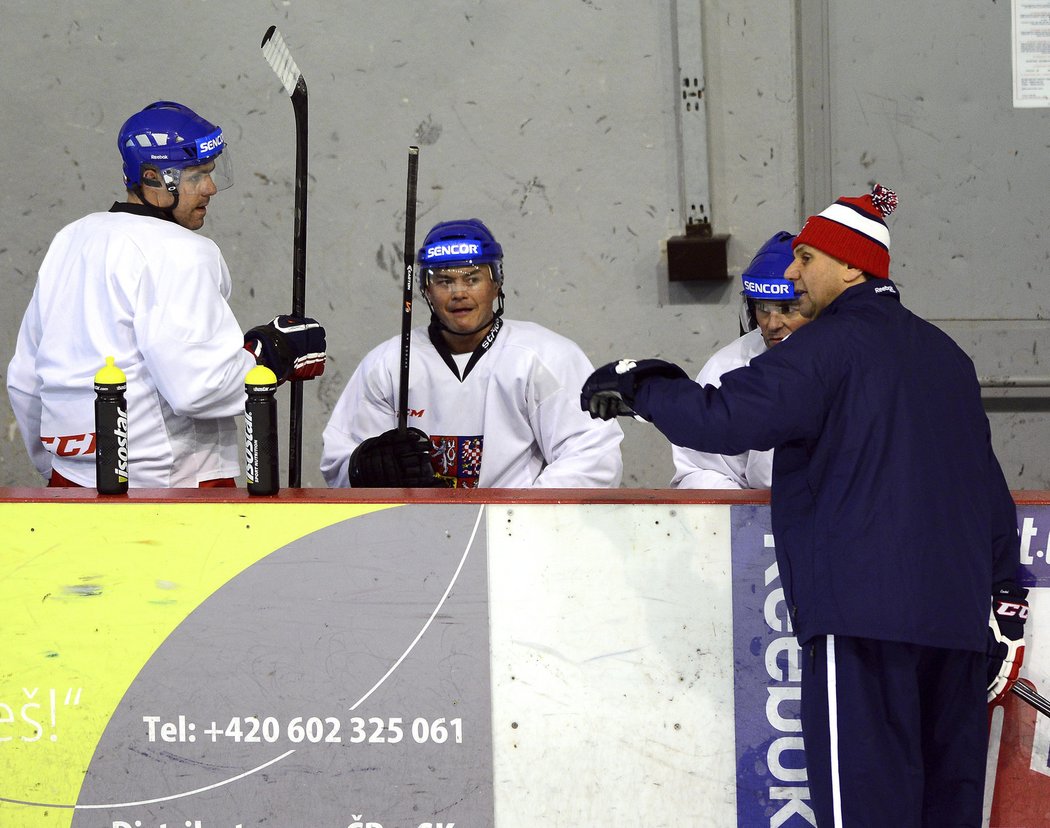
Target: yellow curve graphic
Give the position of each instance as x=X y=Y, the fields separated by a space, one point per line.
x=88 y=592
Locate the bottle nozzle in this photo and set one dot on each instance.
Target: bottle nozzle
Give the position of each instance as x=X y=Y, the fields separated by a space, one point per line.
x=110 y=374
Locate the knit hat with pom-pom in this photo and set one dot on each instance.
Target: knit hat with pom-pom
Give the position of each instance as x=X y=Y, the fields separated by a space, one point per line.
x=853 y=231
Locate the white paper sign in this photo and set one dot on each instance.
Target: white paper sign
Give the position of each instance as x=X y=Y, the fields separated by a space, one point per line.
x=1030 y=31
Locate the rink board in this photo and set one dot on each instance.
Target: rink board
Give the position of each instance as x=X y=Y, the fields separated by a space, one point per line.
x=213 y=664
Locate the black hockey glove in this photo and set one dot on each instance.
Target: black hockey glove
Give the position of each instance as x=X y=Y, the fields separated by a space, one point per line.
x=609 y=391
x=1005 y=638
x=293 y=347
x=394 y=459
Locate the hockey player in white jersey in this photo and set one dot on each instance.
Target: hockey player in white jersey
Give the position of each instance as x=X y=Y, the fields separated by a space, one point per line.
x=769 y=313
x=491 y=400
x=136 y=283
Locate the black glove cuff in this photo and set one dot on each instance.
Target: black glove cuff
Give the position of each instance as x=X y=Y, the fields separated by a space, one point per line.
x=1010 y=590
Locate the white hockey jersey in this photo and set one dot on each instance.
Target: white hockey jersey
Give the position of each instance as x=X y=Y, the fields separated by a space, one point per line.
x=514 y=421
x=152 y=294
x=700 y=470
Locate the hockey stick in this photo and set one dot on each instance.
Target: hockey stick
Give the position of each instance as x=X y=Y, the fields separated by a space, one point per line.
x=406 y=310
x=276 y=53
x=1040 y=703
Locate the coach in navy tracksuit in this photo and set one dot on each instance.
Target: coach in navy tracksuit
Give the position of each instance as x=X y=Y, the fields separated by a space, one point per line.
x=894 y=526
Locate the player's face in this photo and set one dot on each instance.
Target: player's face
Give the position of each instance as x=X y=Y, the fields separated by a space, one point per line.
x=196 y=187
x=462 y=297
x=777 y=319
x=819 y=279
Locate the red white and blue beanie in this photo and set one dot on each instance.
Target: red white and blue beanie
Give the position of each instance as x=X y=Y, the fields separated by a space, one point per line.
x=853 y=231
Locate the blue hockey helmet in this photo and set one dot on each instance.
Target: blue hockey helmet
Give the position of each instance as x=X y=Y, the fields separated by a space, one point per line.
x=763 y=279
x=459 y=243
x=170 y=137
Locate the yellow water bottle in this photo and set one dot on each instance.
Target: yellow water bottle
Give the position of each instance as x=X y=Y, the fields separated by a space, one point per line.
x=111 y=430
x=260 y=432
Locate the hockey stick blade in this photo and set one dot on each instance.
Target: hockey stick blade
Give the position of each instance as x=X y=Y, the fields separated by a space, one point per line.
x=280 y=59
x=1029 y=695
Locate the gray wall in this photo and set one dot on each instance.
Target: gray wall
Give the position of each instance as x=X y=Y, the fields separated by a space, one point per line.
x=895 y=98
x=555 y=123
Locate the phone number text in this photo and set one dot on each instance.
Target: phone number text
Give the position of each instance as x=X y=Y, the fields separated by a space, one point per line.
x=374 y=730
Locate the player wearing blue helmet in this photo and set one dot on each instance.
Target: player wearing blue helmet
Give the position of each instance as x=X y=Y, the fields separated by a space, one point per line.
x=462 y=252
x=491 y=401
x=769 y=300
x=174 y=160
x=769 y=312
x=136 y=283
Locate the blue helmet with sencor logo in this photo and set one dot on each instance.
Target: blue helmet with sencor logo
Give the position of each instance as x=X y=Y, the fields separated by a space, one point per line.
x=763 y=278
x=459 y=243
x=169 y=137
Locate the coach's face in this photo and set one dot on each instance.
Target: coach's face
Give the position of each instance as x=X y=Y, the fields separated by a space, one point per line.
x=819 y=279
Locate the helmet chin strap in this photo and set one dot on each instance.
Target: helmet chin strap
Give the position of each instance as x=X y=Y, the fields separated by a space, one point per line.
x=171 y=185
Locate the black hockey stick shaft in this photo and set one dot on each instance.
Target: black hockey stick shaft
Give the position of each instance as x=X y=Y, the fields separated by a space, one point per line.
x=1040 y=703
x=295 y=415
x=276 y=53
x=406 y=309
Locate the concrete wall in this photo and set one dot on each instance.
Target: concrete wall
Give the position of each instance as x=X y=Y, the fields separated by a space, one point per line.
x=933 y=118
x=554 y=123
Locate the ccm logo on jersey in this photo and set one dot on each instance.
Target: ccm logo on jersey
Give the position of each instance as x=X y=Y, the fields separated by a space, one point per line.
x=765 y=287
x=71 y=444
x=453 y=249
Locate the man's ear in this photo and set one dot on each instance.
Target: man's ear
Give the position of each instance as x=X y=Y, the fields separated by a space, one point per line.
x=151 y=178
x=853 y=275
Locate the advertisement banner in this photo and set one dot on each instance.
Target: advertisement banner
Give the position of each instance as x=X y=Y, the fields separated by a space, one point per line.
x=770 y=759
x=771 y=773
x=223 y=665
x=341 y=665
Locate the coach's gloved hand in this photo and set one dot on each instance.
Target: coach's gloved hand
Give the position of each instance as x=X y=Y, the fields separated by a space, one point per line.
x=1005 y=638
x=394 y=459
x=609 y=391
x=293 y=347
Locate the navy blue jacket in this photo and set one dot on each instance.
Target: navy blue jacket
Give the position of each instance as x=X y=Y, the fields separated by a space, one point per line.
x=891 y=514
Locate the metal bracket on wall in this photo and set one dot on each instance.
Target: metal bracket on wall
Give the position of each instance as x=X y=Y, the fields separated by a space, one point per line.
x=699 y=254
x=814 y=92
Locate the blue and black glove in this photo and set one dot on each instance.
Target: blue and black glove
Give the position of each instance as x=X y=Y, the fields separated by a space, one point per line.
x=293 y=347
x=609 y=392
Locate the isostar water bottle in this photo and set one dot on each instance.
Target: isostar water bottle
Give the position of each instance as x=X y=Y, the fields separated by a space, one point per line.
x=111 y=430
x=260 y=432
